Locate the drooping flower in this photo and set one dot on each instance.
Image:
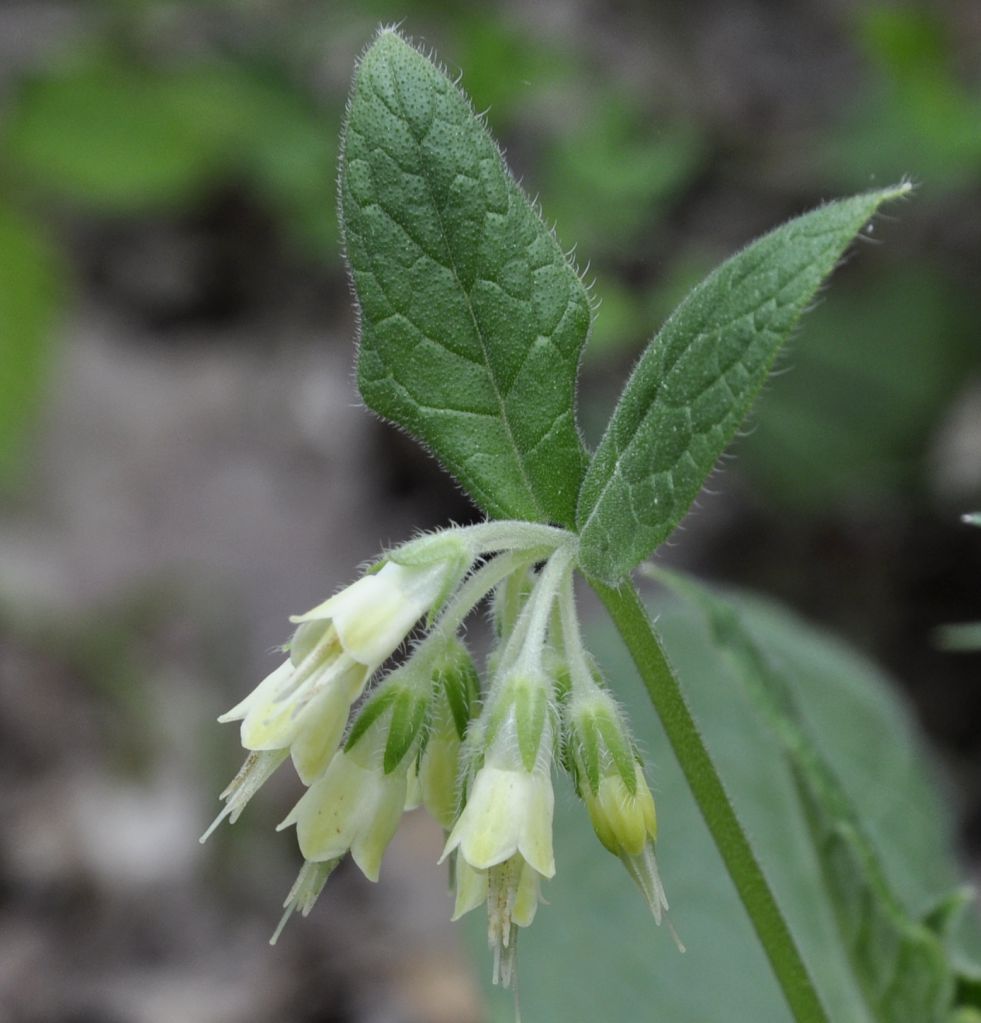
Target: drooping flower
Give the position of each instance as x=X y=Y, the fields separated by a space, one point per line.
x=303 y=705
x=354 y=807
x=510 y=802
x=502 y=840
x=357 y=805
x=481 y=763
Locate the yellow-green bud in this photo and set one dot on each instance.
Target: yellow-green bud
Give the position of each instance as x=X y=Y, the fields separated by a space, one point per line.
x=624 y=822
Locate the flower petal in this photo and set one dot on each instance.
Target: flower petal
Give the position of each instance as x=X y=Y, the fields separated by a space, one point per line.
x=321 y=724
x=535 y=842
x=267 y=688
x=471 y=888
x=488 y=830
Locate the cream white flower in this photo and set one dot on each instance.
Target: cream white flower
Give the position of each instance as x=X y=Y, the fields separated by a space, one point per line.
x=470 y=885
x=510 y=802
x=372 y=616
x=304 y=704
x=508 y=811
x=352 y=807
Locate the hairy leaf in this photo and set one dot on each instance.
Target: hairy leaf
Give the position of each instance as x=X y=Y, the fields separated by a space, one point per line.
x=472 y=319
x=696 y=380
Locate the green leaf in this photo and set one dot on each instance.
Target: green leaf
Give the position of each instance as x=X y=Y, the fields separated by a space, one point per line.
x=376 y=705
x=457 y=675
x=530 y=706
x=472 y=319
x=408 y=712
x=29 y=292
x=899 y=961
x=628 y=969
x=696 y=382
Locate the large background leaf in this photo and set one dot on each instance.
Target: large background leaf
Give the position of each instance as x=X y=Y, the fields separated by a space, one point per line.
x=898 y=960
x=696 y=381
x=472 y=318
x=594 y=952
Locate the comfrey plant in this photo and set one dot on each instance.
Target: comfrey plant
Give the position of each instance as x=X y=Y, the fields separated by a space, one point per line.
x=472 y=326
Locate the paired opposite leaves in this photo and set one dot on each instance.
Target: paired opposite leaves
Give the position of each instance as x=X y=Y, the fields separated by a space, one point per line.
x=472 y=318
x=696 y=381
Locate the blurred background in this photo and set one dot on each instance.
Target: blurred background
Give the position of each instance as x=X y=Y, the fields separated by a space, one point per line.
x=183 y=461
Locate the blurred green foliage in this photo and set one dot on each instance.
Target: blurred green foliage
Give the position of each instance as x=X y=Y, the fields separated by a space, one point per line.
x=873 y=374
x=917 y=117
x=120 y=138
x=609 y=177
x=29 y=294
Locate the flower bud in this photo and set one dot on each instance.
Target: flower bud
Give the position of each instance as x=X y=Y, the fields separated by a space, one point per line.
x=623 y=821
x=456 y=691
x=611 y=781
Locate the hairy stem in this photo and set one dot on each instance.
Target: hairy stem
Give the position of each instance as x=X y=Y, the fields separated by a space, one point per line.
x=632 y=622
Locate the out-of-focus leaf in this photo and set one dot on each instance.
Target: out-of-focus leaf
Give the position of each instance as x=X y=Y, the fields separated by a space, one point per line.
x=29 y=293
x=271 y=136
x=915 y=118
x=109 y=134
x=868 y=382
x=594 y=952
x=900 y=962
x=608 y=179
x=505 y=64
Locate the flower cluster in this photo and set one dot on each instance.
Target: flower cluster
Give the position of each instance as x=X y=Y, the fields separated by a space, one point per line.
x=371 y=741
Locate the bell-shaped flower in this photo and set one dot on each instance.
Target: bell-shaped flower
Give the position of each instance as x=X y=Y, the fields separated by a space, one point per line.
x=509 y=810
x=358 y=802
x=304 y=704
x=354 y=807
x=510 y=802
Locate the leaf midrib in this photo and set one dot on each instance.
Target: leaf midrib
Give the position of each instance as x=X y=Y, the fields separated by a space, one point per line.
x=644 y=418
x=451 y=262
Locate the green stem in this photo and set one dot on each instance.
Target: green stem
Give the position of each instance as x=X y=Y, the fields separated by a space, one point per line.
x=630 y=617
